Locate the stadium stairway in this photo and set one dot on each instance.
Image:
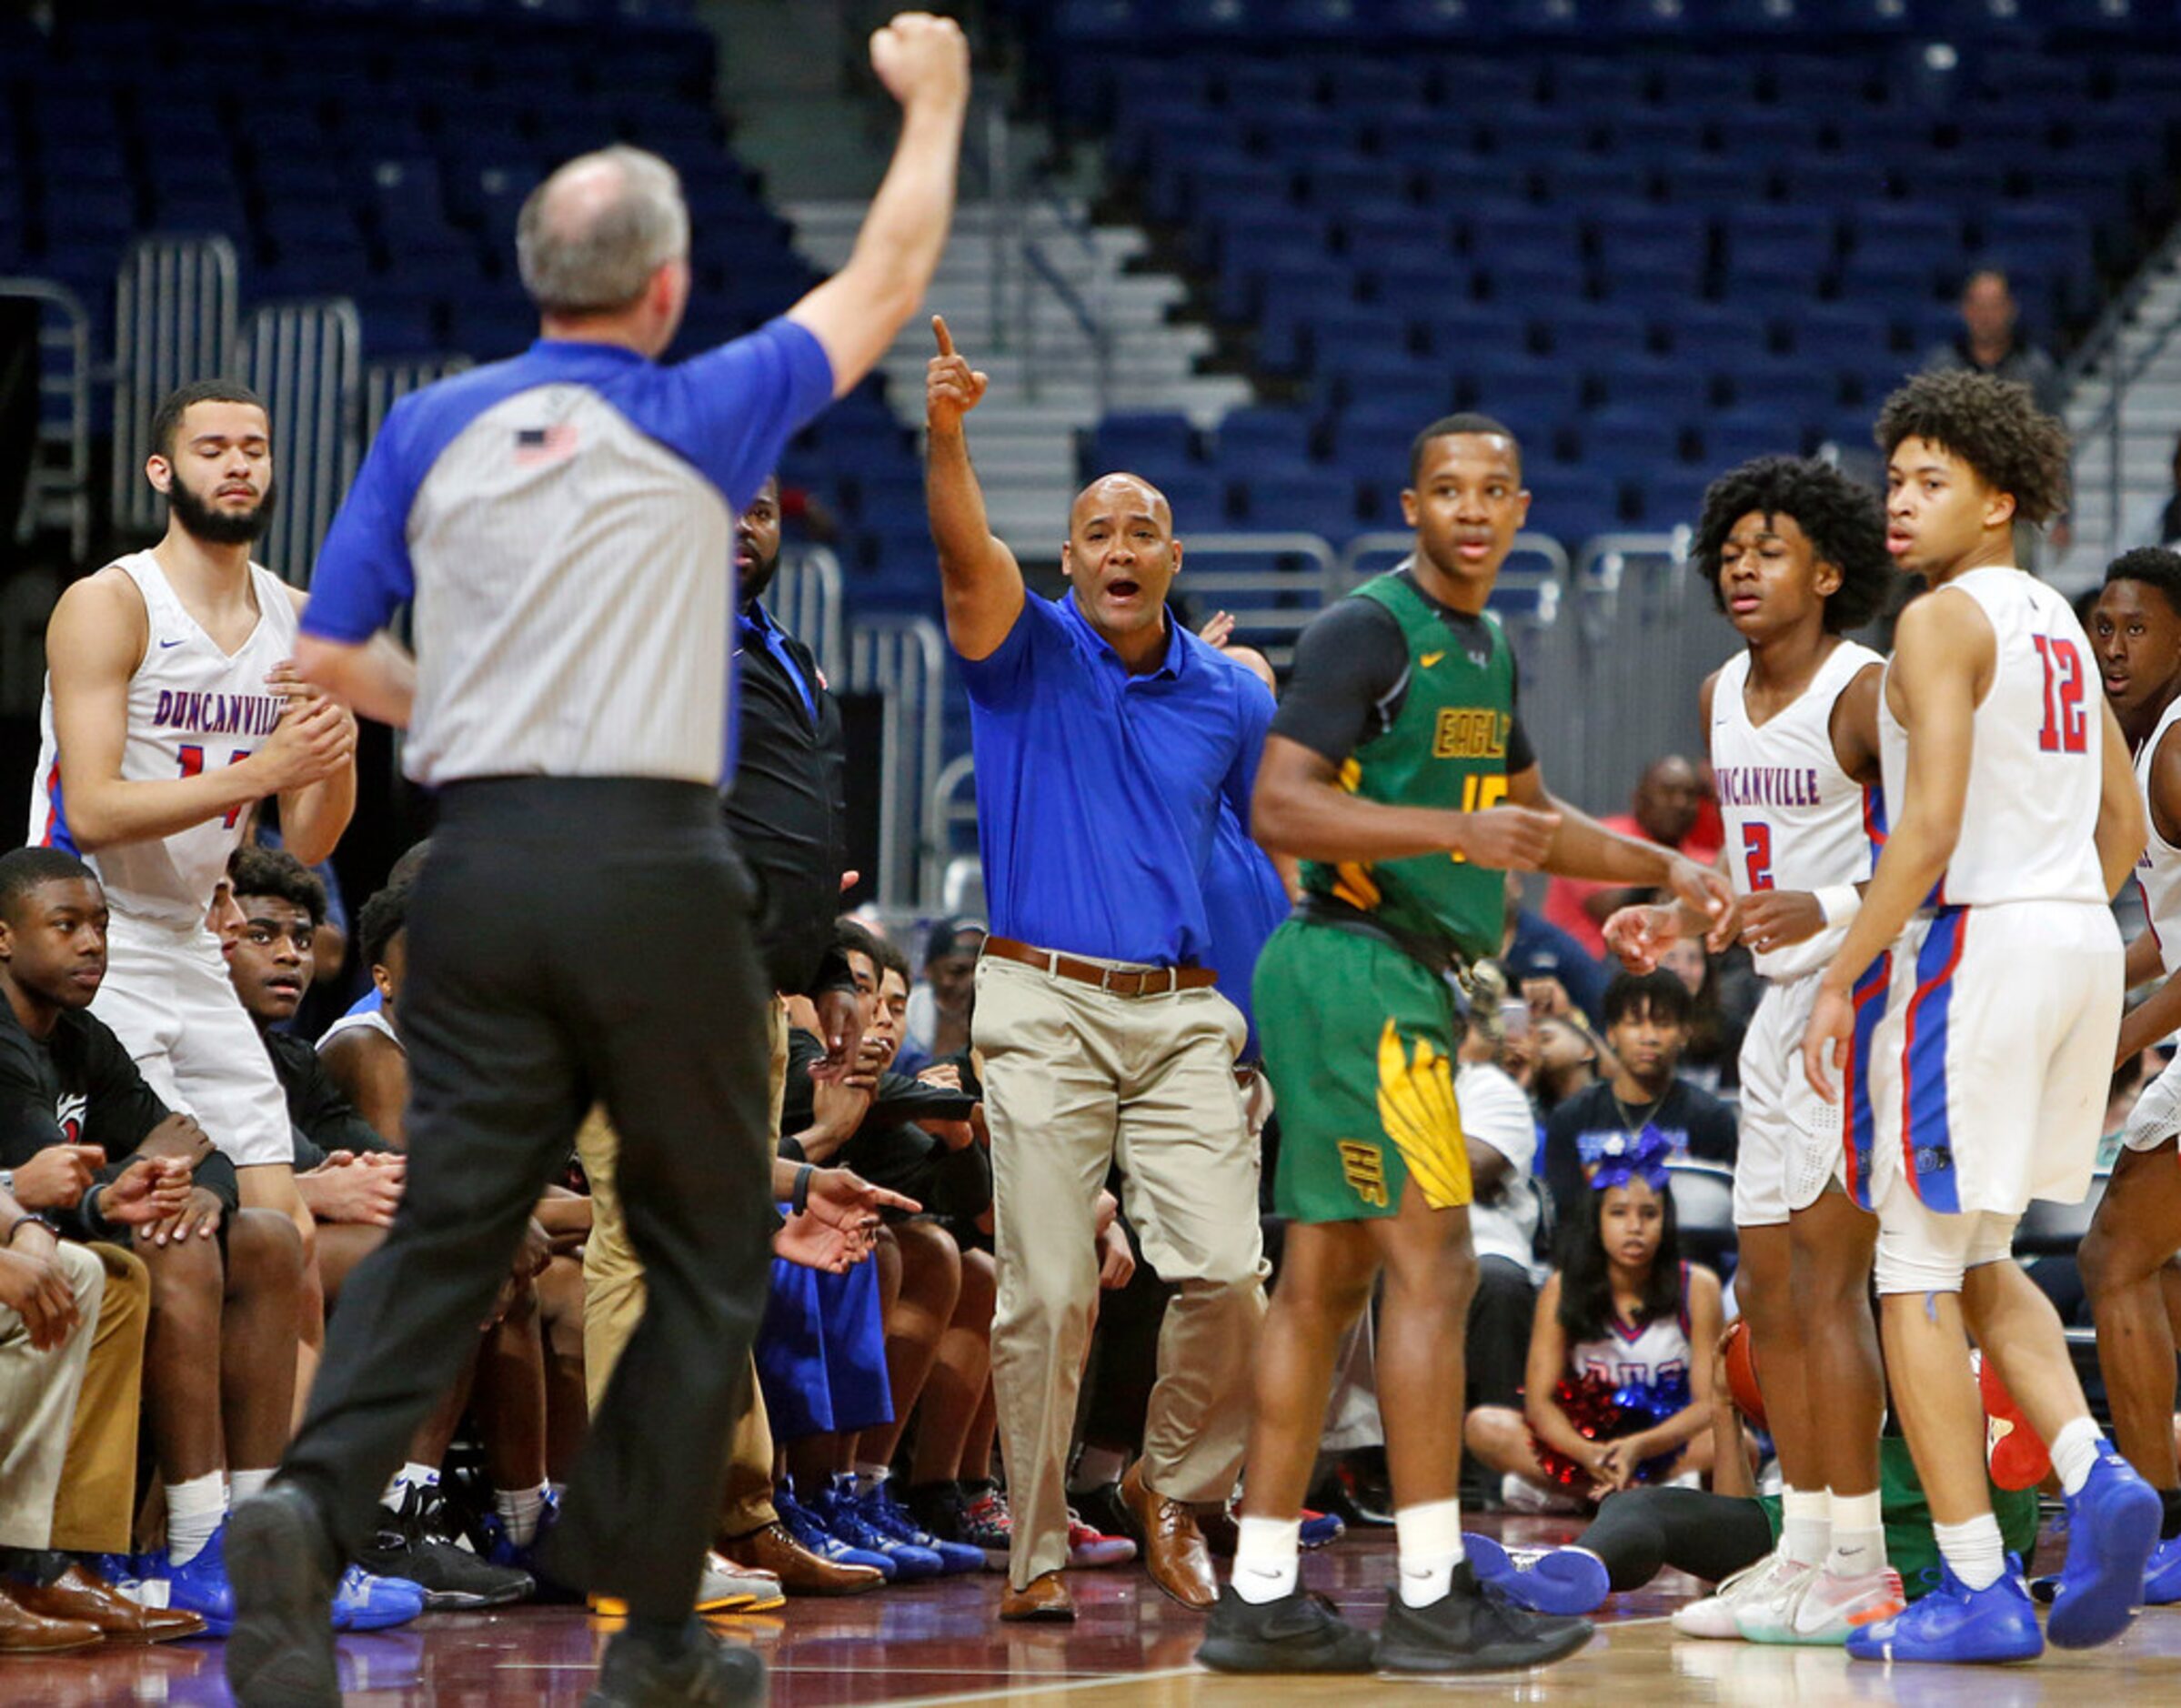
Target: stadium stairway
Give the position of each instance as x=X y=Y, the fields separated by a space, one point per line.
x=2150 y=422
x=1033 y=294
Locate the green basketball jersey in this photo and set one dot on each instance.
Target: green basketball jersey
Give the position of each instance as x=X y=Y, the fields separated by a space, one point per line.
x=1446 y=747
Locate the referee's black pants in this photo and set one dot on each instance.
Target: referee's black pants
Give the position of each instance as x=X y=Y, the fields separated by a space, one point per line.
x=571 y=941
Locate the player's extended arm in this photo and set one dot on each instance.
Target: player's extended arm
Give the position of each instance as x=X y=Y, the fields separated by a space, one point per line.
x=1582 y=848
x=980 y=583
x=924 y=63
x=1300 y=809
x=375 y=679
x=94 y=642
x=2122 y=825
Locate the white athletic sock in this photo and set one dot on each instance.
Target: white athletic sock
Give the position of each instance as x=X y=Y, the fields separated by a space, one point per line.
x=520 y=1510
x=422 y=1478
x=1805 y=1523
x=195 y=1510
x=1973 y=1550
x=1428 y=1540
x=243 y=1486
x=1268 y=1559
x=869 y=1478
x=2075 y=1452
x=1858 y=1536
x=1094 y=1468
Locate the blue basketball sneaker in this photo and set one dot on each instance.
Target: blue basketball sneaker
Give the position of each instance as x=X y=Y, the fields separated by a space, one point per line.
x=1956 y=1623
x=2112 y=1529
x=364 y=1603
x=200 y=1586
x=2162 y=1577
x=883 y=1514
x=838 y=1510
x=811 y=1531
x=1551 y=1581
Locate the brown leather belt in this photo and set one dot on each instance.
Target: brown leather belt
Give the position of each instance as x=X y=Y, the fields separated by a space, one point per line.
x=1113 y=981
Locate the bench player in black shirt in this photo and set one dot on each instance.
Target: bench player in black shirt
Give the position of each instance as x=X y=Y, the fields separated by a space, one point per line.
x=220 y=1354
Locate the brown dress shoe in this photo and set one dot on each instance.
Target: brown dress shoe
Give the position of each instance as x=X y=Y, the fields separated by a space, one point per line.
x=800 y=1572
x=1174 y=1548
x=1043 y=1600
x=23 y=1631
x=80 y=1594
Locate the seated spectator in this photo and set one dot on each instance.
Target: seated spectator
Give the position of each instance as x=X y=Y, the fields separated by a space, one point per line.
x=1551 y=971
x=88 y=1141
x=1502 y=1136
x=351 y=1180
x=1646 y=1030
x=362 y=1051
x=1614 y=1394
x=1991 y=341
x=842 y=1473
x=938 y=1023
x=1667 y=807
x=1560 y=1058
x=1722 y=993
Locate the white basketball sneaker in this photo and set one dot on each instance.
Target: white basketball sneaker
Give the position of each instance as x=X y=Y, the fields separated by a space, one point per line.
x=1832 y=1607
x=1714 y=1616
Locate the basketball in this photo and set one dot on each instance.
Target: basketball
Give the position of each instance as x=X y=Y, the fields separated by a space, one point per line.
x=1741 y=1371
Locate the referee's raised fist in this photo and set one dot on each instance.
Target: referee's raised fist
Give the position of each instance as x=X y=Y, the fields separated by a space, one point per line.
x=922 y=60
x=952 y=386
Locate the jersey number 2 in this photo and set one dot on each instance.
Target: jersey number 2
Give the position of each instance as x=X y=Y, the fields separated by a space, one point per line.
x=1757 y=849
x=192 y=764
x=2066 y=727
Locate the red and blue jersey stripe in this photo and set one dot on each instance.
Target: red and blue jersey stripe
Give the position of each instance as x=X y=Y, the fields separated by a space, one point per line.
x=1926 y=1137
x=1859 y=1124
x=57 y=815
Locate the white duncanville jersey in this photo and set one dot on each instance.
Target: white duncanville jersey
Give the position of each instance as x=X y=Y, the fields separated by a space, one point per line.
x=2158 y=866
x=2037 y=767
x=1794 y=819
x=192 y=707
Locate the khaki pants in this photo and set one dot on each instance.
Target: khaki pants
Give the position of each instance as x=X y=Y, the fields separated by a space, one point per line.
x=1077 y=1080
x=98 y=1477
x=38 y=1391
x=613 y=1303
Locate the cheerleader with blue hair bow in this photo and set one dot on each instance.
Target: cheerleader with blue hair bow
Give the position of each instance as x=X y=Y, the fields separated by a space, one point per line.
x=1614 y=1394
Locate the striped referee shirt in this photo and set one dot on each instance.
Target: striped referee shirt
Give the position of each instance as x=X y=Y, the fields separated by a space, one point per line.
x=563 y=523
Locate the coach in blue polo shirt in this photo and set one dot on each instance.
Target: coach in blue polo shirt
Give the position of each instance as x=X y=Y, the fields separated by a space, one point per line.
x=1107 y=738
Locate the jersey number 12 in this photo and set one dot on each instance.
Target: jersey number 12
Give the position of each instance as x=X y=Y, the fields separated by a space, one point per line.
x=2066 y=726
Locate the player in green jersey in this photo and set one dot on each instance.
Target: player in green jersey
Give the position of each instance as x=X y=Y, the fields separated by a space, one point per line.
x=1398 y=771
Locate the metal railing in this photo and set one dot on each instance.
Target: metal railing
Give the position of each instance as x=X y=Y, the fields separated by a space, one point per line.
x=949 y=808
x=1272 y=604
x=58 y=490
x=305 y=358
x=903 y=658
x=175 y=308
x=2106 y=350
x=805 y=595
x=386 y=383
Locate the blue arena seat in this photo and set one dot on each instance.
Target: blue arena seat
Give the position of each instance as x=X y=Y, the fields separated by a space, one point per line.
x=1262 y=434
x=1309 y=501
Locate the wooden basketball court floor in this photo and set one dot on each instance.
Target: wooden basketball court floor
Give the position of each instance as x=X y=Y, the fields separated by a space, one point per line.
x=940 y=1644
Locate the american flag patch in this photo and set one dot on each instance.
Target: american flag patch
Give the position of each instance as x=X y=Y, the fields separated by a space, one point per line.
x=536 y=446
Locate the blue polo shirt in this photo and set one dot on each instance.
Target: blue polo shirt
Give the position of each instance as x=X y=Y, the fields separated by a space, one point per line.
x=1099 y=791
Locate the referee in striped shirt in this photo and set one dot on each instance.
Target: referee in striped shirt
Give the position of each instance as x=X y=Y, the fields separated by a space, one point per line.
x=562 y=524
